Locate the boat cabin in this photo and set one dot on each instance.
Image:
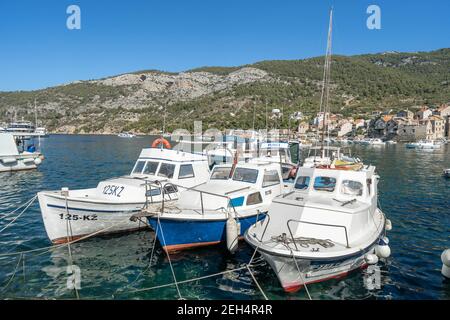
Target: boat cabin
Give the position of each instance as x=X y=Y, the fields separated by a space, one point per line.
x=165 y=164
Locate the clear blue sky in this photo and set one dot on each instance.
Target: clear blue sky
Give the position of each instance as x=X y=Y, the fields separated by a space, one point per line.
x=117 y=36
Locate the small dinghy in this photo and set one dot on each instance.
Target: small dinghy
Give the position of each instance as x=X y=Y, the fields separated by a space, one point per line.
x=424 y=144
x=328 y=226
x=221 y=210
x=73 y=214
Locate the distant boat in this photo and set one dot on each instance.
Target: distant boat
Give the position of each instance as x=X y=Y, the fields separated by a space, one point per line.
x=126 y=135
x=21 y=126
x=446 y=173
x=424 y=144
x=391 y=142
x=12 y=159
x=42 y=132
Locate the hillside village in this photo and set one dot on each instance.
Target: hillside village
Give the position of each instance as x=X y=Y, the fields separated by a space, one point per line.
x=412 y=124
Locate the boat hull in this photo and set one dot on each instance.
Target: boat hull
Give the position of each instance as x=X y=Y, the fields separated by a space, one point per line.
x=181 y=234
x=81 y=218
x=294 y=274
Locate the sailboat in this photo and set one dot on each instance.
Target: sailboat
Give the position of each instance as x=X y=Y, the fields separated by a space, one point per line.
x=328 y=226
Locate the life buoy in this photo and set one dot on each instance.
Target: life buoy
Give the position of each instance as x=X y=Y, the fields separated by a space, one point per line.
x=158 y=141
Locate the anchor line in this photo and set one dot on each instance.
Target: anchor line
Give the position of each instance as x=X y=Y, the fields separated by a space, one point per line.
x=19 y=215
x=14 y=274
x=300 y=275
x=69 y=227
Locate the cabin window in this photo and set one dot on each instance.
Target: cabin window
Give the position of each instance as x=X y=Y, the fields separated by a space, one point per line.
x=254 y=198
x=221 y=173
x=302 y=182
x=186 y=171
x=324 y=184
x=151 y=167
x=245 y=175
x=353 y=188
x=139 y=167
x=271 y=178
x=166 y=170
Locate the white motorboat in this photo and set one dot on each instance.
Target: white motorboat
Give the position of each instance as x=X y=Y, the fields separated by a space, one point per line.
x=12 y=159
x=126 y=135
x=330 y=157
x=72 y=214
x=237 y=194
x=376 y=142
x=328 y=226
x=424 y=144
x=391 y=142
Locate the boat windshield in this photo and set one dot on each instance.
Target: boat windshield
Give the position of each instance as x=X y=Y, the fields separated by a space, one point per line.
x=151 y=167
x=166 y=170
x=302 y=182
x=221 y=173
x=138 y=167
x=353 y=188
x=324 y=184
x=245 y=175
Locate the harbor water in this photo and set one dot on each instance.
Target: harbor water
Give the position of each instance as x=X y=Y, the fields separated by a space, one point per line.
x=412 y=192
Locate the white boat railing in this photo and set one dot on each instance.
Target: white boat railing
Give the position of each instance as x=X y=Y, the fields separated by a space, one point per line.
x=163 y=191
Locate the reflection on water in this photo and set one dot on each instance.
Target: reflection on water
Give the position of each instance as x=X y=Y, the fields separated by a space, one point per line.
x=413 y=194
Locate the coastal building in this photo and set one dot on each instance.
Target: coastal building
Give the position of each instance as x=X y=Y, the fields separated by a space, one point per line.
x=411 y=132
x=406 y=114
x=344 y=129
x=303 y=127
x=424 y=113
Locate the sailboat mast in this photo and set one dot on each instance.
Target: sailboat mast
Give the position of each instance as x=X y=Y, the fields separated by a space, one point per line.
x=324 y=100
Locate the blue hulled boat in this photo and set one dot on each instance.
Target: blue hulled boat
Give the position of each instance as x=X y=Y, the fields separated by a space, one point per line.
x=236 y=195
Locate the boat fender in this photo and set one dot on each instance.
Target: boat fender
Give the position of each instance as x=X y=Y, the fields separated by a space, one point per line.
x=445 y=257
x=382 y=249
x=37 y=161
x=388 y=225
x=232 y=229
x=371 y=258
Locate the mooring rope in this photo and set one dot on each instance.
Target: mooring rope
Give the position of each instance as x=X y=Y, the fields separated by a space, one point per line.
x=5 y=215
x=19 y=215
x=168 y=257
x=13 y=275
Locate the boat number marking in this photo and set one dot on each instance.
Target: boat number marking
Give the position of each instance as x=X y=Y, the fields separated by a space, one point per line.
x=76 y=217
x=112 y=190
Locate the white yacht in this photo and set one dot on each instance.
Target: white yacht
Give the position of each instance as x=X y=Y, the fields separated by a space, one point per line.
x=328 y=226
x=41 y=132
x=21 y=126
x=13 y=159
x=107 y=208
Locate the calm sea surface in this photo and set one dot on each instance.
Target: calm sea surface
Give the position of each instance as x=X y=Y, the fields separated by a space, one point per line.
x=413 y=194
